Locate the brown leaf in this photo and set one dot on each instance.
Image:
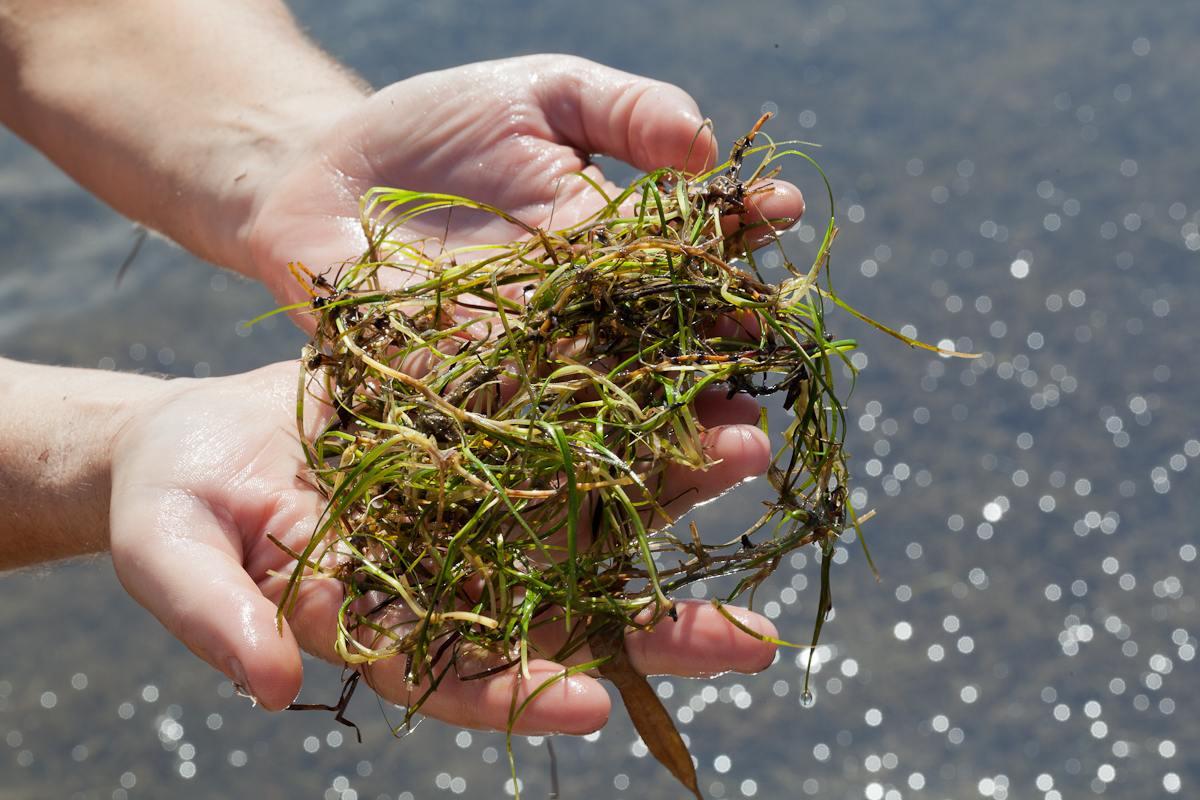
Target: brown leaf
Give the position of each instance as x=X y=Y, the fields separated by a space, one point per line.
x=649 y=716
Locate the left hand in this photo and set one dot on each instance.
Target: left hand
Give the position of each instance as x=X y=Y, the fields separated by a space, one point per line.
x=506 y=133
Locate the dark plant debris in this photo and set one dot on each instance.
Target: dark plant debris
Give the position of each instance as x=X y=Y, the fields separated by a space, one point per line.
x=502 y=421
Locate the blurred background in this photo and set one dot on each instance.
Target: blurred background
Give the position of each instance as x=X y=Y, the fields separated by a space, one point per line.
x=1018 y=180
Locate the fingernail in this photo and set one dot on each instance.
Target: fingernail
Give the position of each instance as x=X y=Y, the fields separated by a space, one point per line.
x=237 y=674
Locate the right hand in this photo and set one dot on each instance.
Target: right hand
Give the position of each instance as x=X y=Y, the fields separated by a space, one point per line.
x=206 y=469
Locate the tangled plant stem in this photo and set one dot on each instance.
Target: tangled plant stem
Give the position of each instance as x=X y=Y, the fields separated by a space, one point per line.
x=502 y=423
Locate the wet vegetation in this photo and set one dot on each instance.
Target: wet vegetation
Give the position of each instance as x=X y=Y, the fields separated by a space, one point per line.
x=501 y=425
x=934 y=119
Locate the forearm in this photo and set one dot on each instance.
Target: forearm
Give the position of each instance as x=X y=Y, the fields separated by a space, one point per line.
x=174 y=112
x=58 y=427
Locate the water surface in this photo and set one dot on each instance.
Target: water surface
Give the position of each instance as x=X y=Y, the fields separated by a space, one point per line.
x=1016 y=179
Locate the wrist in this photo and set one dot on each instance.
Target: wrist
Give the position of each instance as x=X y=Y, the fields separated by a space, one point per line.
x=58 y=431
x=243 y=170
x=265 y=170
x=174 y=112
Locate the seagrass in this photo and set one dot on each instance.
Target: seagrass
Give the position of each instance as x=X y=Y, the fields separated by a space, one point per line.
x=503 y=417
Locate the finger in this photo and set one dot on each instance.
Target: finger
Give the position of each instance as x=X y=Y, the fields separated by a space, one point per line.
x=699 y=643
x=780 y=206
x=174 y=558
x=715 y=408
x=650 y=125
x=702 y=643
x=575 y=704
x=642 y=122
x=738 y=452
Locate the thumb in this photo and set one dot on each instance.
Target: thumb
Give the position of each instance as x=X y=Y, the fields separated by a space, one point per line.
x=643 y=122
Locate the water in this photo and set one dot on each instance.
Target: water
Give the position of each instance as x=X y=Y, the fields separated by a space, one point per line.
x=1014 y=180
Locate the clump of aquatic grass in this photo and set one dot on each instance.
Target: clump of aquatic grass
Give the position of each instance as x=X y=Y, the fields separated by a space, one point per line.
x=502 y=423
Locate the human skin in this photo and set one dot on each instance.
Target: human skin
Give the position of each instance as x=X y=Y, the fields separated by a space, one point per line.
x=182 y=479
x=221 y=126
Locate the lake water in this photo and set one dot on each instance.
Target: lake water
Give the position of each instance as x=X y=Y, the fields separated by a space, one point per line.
x=1018 y=179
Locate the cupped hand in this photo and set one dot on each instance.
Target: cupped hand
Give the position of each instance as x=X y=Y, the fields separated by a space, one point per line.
x=207 y=469
x=505 y=133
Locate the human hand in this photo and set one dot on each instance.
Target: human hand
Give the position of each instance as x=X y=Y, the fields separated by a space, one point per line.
x=505 y=133
x=207 y=468
x=508 y=134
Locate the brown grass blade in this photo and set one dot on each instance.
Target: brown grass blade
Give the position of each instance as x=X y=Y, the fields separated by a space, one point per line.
x=650 y=718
